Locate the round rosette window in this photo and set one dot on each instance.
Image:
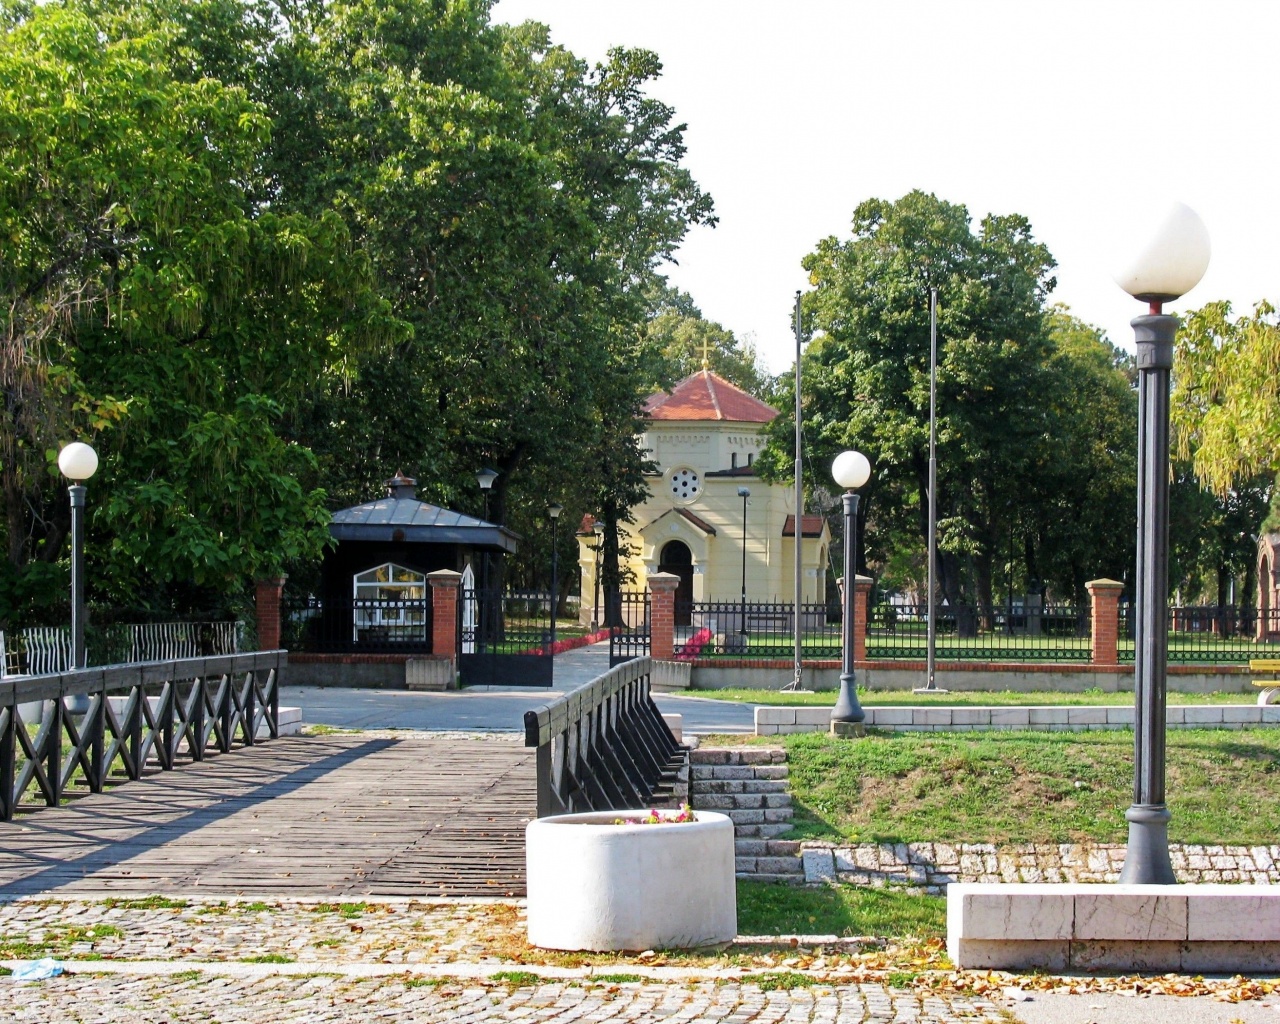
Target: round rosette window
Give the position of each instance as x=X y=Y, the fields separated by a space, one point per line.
x=685 y=484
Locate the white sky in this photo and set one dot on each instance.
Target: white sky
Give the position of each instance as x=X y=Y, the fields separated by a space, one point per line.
x=1073 y=114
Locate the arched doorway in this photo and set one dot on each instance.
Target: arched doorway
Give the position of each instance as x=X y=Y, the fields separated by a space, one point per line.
x=677 y=559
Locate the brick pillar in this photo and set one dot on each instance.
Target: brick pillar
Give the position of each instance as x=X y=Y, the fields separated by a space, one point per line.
x=267 y=601
x=1104 y=598
x=445 y=584
x=662 y=615
x=861 y=611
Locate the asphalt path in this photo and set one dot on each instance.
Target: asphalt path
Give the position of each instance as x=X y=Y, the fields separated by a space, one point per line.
x=1106 y=1008
x=495 y=708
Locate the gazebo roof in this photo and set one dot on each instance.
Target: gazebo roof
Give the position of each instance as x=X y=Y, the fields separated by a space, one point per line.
x=402 y=517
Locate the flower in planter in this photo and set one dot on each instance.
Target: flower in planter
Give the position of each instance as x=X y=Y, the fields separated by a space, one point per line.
x=693 y=647
x=659 y=817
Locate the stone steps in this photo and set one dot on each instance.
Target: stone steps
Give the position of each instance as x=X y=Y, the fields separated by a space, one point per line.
x=751 y=786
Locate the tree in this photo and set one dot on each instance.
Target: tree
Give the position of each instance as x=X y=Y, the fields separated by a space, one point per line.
x=686 y=342
x=150 y=301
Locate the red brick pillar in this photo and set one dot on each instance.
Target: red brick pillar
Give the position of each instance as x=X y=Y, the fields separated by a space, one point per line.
x=1104 y=597
x=861 y=613
x=445 y=584
x=662 y=615
x=267 y=600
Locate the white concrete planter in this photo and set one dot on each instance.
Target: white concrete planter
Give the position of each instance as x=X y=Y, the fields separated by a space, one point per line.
x=598 y=886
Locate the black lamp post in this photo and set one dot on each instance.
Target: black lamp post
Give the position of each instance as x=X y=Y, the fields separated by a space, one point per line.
x=554 y=511
x=1171 y=265
x=78 y=463
x=850 y=471
x=598 y=529
x=744 y=493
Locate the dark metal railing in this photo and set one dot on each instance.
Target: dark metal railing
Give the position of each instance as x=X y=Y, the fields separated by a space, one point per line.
x=126 y=717
x=604 y=746
x=345 y=624
x=628 y=618
x=754 y=630
x=39 y=650
x=503 y=623
x=1209 y=634
x=974 y=633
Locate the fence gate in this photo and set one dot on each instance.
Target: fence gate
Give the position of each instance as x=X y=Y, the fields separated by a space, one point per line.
x=504 y=639
x=628 y=623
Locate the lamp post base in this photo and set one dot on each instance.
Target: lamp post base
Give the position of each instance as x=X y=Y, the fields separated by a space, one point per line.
x=1146 y=858
x=848 y=730
x=847 y=708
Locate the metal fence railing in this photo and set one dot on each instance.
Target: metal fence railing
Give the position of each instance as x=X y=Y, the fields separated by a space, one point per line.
x=973 y=633
x=1209 y=634
x=346 y=625
x=763 y=630
x=40 y=650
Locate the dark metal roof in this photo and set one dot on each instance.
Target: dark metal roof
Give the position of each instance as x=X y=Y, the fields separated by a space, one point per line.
x=416 y=522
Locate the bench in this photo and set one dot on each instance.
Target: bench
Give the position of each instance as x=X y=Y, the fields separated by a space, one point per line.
x=1270 y=686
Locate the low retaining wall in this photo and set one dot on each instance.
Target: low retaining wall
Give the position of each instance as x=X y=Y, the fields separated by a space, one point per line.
x=372 y=671
x=723 y=673
x=1184 y=928
x=932 y=867
x=772 y=721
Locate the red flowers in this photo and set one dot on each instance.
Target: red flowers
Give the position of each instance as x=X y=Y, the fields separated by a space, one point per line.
x=694 y=646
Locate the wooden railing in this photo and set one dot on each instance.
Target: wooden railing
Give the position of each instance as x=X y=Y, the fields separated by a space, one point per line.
x=604 y=746
x=129 y=717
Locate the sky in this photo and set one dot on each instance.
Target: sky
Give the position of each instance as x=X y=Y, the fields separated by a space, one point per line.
x=1088 y=118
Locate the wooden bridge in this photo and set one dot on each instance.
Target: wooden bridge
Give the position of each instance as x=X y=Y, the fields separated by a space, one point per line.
x=152 y=778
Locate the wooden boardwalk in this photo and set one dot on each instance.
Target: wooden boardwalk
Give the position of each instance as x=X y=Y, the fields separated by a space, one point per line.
x=308 y=817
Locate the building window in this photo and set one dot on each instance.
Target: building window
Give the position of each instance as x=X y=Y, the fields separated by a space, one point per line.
x=750 y=457
x=685 y=485
x=733 y=460
x=390 y=605
x=390 y=582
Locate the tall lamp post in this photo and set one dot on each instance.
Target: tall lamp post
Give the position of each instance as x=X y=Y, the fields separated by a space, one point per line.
x=744 y=493
x=1170 y=265
x=850 y=470
x=78 y=463
x=554 y=511
x=598 y=529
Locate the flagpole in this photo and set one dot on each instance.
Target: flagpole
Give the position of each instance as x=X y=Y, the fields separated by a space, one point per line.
x=930 y=686
x=799 y=581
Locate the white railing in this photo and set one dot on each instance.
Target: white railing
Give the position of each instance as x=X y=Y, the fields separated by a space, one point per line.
x=41 y=650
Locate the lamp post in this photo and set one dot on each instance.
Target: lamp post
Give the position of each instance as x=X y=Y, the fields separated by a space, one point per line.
x=598 y=529
x=554 y=510
x=78 y=463
x=744 y=493
x=1170 y=265
x=850 y=470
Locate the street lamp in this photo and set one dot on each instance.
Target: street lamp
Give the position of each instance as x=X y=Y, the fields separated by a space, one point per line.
x=485 y=478
x=1170 y=265
x=78 y=463
x=598 y=529
x=850 y=470
x=744 y=493
x=554 y=511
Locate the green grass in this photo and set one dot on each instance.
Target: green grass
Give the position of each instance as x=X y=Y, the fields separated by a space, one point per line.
x=145 y=903
x=57 y=942
x=419 y=981
x=843 y=910
x=268 y=958
x=782 y=981
x=981 y=698
x=347 y=910
x=185 y=976
x=517 y=978
x=1017 y=787
x=618 y=979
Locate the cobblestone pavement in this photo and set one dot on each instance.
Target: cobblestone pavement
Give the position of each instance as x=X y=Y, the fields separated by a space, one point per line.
x=321 y=998
x=933 y=866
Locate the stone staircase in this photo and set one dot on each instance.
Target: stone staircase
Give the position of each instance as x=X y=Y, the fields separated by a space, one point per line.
x=750 y=785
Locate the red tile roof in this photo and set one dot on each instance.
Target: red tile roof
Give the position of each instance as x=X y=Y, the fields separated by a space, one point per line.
x=706 y=396
x=812 y=526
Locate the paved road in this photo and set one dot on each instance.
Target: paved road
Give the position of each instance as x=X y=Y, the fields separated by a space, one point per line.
x=495 y=708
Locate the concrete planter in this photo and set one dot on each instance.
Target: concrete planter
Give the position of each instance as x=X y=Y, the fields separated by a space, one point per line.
x=598 y=886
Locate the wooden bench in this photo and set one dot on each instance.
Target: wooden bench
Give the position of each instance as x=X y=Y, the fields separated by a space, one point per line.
x=1270 y=685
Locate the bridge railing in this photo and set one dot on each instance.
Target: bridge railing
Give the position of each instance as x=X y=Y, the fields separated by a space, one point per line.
x=128 y=717
x=604 y=746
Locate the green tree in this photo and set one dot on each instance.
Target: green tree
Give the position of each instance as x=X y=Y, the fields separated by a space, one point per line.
x=686 y=342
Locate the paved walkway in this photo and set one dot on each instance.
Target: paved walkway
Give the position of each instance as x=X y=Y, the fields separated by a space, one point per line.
x=319 y=817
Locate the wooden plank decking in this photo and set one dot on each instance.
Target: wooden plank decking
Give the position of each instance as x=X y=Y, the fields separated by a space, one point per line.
x=311 y=817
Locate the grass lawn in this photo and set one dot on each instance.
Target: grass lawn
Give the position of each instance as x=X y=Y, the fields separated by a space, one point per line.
x=899 y=698
x=1041 y=787
x=843 y=910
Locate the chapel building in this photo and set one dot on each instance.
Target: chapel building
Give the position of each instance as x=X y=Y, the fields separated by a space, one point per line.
x=705 y=437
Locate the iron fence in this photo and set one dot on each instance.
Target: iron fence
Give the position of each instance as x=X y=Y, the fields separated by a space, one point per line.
x=754 y=630
x=39 y=650
x=325 y=625
x=898 y=632
x=504 y=623
x=1209 y=634
x=627 y=616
